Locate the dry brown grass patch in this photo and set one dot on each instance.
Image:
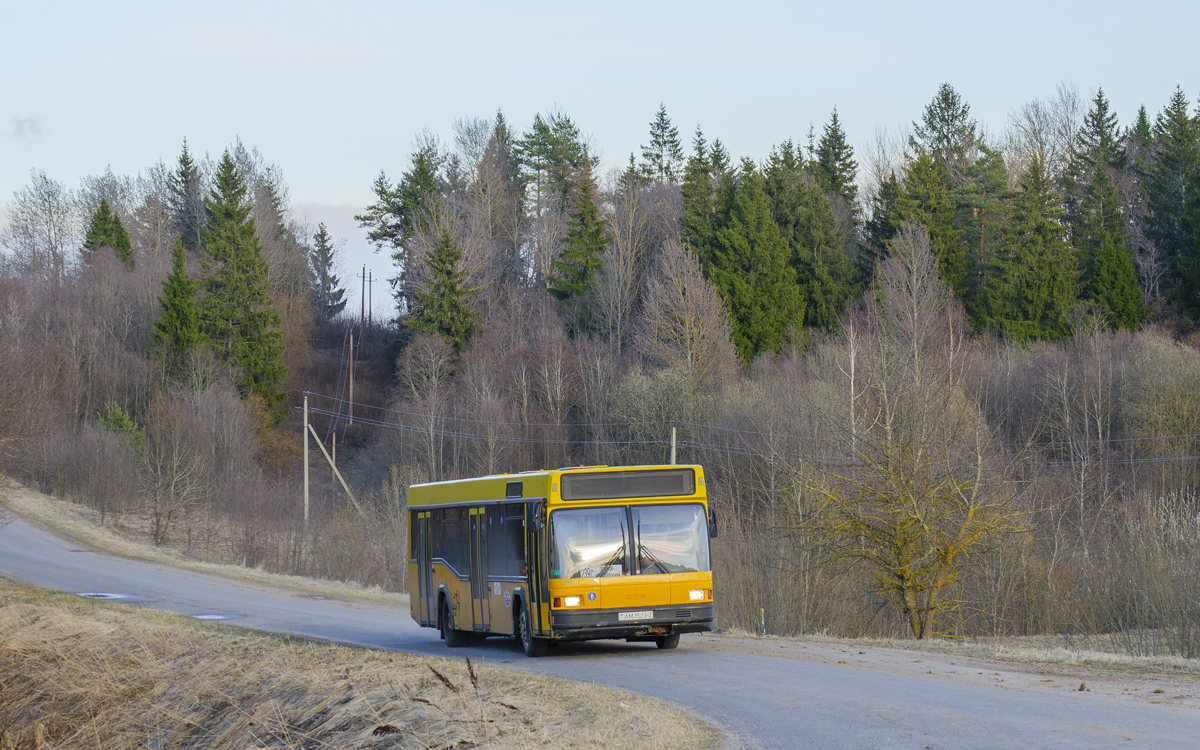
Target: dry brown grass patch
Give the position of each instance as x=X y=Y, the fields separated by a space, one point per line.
x=82 y=674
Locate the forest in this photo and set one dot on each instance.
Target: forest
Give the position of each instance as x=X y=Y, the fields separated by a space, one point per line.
x=944 y=386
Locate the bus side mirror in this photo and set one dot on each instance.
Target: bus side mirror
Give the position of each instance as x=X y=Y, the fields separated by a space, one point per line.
x=712 y=524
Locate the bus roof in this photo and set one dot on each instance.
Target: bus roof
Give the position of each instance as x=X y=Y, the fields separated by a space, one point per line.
x=498 y=488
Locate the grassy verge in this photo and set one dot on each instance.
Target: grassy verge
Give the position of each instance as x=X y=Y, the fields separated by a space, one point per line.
x=82 y=525
x=84 y=674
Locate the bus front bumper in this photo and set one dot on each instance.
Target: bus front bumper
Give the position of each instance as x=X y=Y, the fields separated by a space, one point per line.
x=588 y=624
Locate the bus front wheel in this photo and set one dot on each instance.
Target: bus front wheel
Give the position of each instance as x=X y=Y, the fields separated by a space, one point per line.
x=533 y=646
x=454 y=638
x=667 y=641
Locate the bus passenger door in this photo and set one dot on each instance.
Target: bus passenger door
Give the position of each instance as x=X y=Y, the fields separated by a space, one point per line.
x=424 y=571
x=479 y=582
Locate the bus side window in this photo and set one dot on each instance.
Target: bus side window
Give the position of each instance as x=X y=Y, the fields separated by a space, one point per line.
x=435 y=533
x=454 y=539
x=413 y=532
x=497 y=542
x=514 y=529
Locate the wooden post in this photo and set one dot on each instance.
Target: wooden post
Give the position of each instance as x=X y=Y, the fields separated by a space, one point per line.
x=672 y=445
x=306 y=458
x=351 y=409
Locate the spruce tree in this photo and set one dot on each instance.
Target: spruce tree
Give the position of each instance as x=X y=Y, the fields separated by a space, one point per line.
x=574 y=270
x=1093 y=208
x=186 y=184
x=835 y=167
x=442 y=307
x=106 y=230
x=947 y=133
x=663 y=156
x=878 y=230
x=925 y=199
x=176 y=334
x=751 y=269
x=981 y=216
x=698 y=198
x=1113 y=284
x=328 y=295
x=1176 y=157
x=236 y=312
x=1032 y=280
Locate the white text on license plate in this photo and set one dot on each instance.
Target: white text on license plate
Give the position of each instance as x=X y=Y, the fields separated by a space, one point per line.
x=634 y=615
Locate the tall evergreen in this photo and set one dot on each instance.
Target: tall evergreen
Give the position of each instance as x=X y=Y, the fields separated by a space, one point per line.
x=662 y=157
x=575 y=268
x=106 y=230
x=749 y=264
x=806 y=219
x=176 y=333
x=835 y=167
x=878 y=230
x=236 y=313
x=1113 y=284
x=1032 y=280
x=186 y=184
x=443 y=306
x=925 y=199
x=1176 y=157
x=550 y=156
x=1093 y=208
x=948 y=133
x=698 y=197
x=981 y=216
x=327 y=292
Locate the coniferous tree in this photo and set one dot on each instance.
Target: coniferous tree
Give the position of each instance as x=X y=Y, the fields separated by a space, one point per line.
x=443 y=306
x=835 y=167
x=925 y=200
x=699 y=197
x=575 y=269
x=947 y=132
x=663 y=156
x=878 y=230
x=186 y=184
x=1032 y=280
x=236 y=313
x=176 y=334
x=327 y=292
x=1093 y=208
x=1113 y=284
x=1176 y=157
x=981 y=216
x=749 y=264
x=106 y=230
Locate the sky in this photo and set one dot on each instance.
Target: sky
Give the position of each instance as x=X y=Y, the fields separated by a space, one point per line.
x=333 y=93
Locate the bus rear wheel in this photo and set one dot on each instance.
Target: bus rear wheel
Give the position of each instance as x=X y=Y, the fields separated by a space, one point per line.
x=454 y=638
x=667 y=641
x=533 y=646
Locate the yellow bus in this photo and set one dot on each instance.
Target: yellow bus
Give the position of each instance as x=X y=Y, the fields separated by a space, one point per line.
x=572 y=554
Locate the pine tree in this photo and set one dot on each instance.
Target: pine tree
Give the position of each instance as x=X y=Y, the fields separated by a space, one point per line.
x=574 y=271
x=187 y=200
x=236 y=313
x=662 y=157
x=750 y=266
x=835 y=167
x=329 y=296
x=947 y=133
x=1032 y=281
x=442 y=307
x=106 y=230
x=925 y=199
x=176 y=334
x=1113 y=284
x=1176 y=158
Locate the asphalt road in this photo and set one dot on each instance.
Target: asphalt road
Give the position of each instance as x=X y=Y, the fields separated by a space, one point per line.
x=766 y=694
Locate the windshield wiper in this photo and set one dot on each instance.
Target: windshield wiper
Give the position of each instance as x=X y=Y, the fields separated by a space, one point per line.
x=643 y=550
x=618 y=554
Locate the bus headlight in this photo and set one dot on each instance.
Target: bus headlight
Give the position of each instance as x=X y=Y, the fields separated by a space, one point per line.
x=571 y=601
x=696 y=595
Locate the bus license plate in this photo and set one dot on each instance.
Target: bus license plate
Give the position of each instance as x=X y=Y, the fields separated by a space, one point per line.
x=634 y=615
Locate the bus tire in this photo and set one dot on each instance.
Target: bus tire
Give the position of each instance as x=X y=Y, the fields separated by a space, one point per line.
x=454 y=638
x=667 y=641
x=533 y=646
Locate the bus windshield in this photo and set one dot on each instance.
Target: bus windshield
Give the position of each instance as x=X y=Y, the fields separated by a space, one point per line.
x=624 y=540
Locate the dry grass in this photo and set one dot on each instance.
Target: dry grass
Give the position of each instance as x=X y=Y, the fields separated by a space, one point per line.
x=81 y=524
x=82 y=674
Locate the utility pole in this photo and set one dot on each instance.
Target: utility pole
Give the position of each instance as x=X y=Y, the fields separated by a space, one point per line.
x=351 y=409
x=306 y=459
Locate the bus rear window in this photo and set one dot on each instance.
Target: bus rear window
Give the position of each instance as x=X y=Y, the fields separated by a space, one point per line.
x=612 y=485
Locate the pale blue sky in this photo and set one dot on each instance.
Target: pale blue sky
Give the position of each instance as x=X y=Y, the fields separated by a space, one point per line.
x=333 y=92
